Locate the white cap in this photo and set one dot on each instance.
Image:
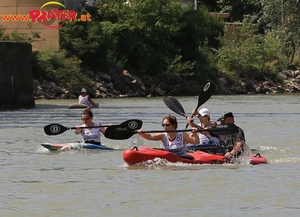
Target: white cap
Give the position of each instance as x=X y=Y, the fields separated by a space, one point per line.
x=204 y=112
x=83 y=90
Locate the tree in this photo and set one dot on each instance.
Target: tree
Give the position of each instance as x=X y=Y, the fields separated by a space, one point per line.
x=238 y=9
x=145 y=37
x=251 y=56
x=282 y=18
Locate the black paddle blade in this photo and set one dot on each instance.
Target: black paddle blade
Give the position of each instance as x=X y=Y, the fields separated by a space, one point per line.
x=54 y=129
x=223 y=129
x=124 y=130
x=174 y=105
x=206 y=92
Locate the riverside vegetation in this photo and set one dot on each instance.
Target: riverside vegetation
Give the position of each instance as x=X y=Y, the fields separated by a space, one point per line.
x=157 y=47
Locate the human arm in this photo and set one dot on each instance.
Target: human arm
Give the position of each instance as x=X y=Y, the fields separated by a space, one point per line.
x=92 y=102
x=102 y=129
x=192 y=138
x=148 y=136
x=77 y=129
x=238 y=145
x=236 y=149
x=204 y=120
x=191 y=122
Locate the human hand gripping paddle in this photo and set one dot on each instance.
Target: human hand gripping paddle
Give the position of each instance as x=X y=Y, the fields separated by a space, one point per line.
x=206 y=92
x=56 y=129
x=119 y=133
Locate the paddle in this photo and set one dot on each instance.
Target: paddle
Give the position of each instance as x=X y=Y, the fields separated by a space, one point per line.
x=174 y=105
x=56 y=129
x=115 y=132
x=206 y=92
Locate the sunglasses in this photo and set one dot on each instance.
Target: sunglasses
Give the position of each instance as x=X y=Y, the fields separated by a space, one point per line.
x=165 y=125
x=85 y=119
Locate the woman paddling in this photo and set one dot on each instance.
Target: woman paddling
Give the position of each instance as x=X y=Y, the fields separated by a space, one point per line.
x=89 y=135
x=173 y=141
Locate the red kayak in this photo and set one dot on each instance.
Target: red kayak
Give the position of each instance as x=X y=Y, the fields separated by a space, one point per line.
x=142 y=154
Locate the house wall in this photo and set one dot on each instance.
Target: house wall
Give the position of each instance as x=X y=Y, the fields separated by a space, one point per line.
x=49 y=36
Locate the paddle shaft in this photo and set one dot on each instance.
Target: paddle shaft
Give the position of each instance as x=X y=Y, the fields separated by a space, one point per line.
x=56 y=129
x=73 y=128
x=228 y=129
x=113 y=132
x=206 y=92
x=170 y=131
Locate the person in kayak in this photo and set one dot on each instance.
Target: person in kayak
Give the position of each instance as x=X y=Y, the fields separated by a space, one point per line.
x=89 y=135
x=85 y=99
x=205 y=123
x=174 y=142
x=232 y=144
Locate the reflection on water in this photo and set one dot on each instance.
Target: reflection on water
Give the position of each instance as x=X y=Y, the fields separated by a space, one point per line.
x=98 y=183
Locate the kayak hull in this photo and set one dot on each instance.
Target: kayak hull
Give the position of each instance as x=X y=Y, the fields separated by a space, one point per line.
x=142 y=154
x=73 y=146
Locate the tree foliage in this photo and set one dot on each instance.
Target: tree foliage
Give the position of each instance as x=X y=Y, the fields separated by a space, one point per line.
x=146 y=37
x=238 y=9
x=56 y=67
x=162 y=38
x=17 y=36
x=245 y=54
x=282 y=18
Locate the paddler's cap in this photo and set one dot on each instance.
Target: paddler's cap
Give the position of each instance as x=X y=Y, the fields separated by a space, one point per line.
x=225 y=115
x=204 y=111
x=83 y=90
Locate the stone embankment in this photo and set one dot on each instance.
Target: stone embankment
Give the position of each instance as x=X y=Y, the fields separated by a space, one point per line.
x=123 y=84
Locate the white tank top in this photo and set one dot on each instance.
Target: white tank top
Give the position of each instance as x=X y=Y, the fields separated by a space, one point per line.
x=83 y=99
x=206 y=139
x=176 y=146
x=92 y=134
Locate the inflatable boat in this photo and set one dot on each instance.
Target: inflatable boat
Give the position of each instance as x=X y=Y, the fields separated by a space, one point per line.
x=81 y=106
x=142 y=154
x=77 y=106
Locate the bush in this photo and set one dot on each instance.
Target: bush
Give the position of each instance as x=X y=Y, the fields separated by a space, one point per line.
x=55 y=66
x=247 y=55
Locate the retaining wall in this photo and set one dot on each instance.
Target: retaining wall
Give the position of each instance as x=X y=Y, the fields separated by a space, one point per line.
x=16 y=81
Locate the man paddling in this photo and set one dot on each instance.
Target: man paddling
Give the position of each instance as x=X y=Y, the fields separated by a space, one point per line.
x=85 y=99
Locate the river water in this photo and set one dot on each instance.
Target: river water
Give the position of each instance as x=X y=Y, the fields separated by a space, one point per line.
x=36 y=182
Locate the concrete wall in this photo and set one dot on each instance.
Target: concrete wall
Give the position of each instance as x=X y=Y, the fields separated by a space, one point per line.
x=16 y=81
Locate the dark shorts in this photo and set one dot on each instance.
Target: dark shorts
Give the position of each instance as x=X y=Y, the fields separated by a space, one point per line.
x=92 y=142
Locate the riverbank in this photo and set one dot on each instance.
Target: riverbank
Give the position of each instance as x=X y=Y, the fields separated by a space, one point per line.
x=123 y=84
